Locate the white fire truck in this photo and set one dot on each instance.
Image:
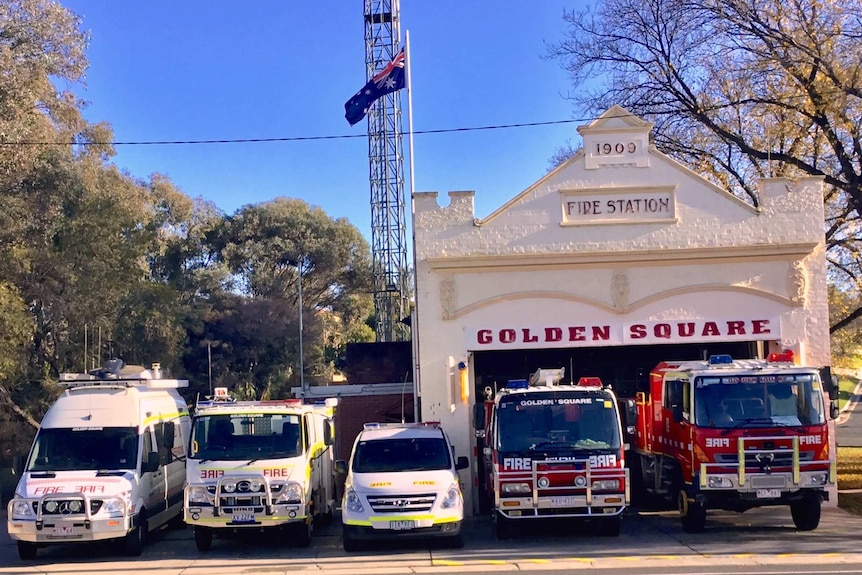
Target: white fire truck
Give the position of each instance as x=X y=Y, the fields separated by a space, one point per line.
x=260 y=464
x=553 y=450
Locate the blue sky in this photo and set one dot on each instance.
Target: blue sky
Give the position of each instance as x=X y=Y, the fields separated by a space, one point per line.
x=222 y=70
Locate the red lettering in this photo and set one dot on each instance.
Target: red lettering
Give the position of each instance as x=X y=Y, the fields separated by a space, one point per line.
x=637 y=331
x=760 y=326
x=484 y=336
x=529 y=338
x=736 y=328
x=46 y=490
x=661 y=330
x=211 y=473
x=576 y=333
x=601 y=332
x=553 y=334
x=507 y=336
x=710 y=328
x=686 y=329
x=276 y=472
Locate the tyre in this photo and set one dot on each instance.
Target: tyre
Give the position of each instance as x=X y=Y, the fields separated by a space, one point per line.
x=27 y=550
x=691 y=513
x=302 y=534
x=609 y=526
x=503 y=527
x=349 y=542
x=133 y=543
x=806 y=512
x=203 y=538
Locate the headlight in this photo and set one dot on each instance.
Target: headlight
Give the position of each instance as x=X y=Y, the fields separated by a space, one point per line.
x=818 y=478
x=516 y=488
x=352 y=502
x=114 y=506
x=228 y=485
x=292 y=493
x=606 y=485
x=254 y=485
x=21 y=508
x=452 y=499
x=716 y=482
x=198 y=495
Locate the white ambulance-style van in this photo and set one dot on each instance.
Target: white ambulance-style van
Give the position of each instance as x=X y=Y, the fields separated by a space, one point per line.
x=108 y=461
x=260 y=465
x=402 y=482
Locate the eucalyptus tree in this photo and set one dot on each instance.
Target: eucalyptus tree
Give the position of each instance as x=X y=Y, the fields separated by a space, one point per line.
x=738 y=90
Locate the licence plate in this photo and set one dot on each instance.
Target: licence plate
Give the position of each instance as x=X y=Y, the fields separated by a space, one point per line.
x=563 y=501
x=64 y=531
x=243 y=516
x=403 y=525
x=768 y=493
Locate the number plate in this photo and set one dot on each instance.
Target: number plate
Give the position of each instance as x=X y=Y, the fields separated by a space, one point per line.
x=243 y=515
x=64 y=531
x=768 y=493
x=563 y=501
x=404 y=525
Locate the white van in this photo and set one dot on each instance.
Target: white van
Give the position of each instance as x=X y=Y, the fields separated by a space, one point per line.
x=108 y=461
x=402 y=482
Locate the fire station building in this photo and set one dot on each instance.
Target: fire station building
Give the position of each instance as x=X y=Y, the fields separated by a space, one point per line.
x=616 y=260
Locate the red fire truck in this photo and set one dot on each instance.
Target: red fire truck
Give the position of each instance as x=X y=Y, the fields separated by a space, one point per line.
x=553 y=450
x=734 y=435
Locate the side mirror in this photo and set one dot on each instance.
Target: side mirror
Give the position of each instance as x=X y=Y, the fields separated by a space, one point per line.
x=341 y=467
x=462 y=463
x=833 y=391
x=170 y=434
x=151 y=463
x=328 y=433
x=833 y=410
x=479 y=417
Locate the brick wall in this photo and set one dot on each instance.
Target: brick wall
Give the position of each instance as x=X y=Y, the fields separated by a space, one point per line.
x=354 y=411
x=384 y=362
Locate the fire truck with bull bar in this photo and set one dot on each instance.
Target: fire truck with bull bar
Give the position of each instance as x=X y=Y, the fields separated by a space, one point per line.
x=553 y=450
x=734 y=435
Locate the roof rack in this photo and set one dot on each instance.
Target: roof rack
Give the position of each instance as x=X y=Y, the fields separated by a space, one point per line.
x=116 y=373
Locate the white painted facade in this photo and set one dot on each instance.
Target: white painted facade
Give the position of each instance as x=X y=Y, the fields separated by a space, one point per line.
x=620 y=245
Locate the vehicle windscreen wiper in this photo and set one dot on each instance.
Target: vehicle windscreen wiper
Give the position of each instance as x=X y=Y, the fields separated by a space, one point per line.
x=752 y=421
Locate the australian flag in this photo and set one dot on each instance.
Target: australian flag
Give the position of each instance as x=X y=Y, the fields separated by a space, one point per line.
x=389 y=79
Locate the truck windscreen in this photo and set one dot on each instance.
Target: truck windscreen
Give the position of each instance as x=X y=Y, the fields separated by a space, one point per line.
x=70 y=449
x=758 y=400
x=582 y=420
x=246 y=436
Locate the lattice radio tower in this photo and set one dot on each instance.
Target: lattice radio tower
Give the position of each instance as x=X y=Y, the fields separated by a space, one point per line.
x=386 y=174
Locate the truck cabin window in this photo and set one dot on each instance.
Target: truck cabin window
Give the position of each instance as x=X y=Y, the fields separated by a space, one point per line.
x=768 y=400
x=70 y=449
x=246 y=436
x=588 y=421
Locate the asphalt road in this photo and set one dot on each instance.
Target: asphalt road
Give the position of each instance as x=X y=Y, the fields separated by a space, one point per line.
x=649 y=542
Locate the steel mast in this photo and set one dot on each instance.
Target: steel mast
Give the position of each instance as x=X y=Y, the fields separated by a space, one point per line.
x=386 y=176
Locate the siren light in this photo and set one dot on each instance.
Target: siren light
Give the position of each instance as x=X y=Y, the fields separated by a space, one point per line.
x=785 y=356
x=590 y=382
x=723 y=359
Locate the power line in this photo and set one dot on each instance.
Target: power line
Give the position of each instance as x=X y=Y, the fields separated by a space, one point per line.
x=293 y=139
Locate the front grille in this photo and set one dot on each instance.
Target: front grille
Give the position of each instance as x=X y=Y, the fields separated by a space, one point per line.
x=401 y=503
x=61 y=507
x=781 y=458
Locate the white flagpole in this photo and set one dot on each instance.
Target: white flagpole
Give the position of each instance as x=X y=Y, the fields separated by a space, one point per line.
x=414 y=323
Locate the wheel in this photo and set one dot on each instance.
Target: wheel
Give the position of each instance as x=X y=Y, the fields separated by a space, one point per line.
x=692 y=513
x=806 y=512
x=609 y=526
x=349 y=542
x=302 y=534
x=133 y=544
x=203 y=538
x=503 y=527
x=27 y=550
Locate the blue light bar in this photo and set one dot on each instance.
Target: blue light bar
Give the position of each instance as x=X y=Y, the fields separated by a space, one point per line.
x=723 y=359
x=517 y=384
